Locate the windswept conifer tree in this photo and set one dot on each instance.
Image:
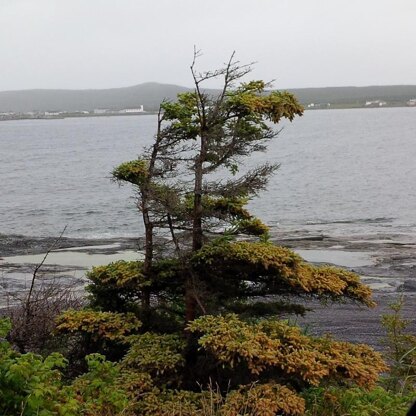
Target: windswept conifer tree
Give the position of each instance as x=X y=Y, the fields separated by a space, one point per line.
x=198 y=299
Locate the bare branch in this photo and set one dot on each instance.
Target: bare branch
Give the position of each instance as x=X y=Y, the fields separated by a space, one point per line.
x=37 y=268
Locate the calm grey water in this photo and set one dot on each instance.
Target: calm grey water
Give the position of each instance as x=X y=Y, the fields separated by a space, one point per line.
x=342 y=172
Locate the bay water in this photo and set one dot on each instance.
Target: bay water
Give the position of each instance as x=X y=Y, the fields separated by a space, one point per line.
x=343 y=172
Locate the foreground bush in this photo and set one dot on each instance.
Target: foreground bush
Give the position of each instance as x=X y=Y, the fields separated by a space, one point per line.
x=356 y=402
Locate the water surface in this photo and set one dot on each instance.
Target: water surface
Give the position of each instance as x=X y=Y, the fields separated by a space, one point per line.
x=342 y=172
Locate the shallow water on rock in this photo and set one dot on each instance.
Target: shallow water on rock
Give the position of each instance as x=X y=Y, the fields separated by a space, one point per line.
x=73 y=258
x=338 y=257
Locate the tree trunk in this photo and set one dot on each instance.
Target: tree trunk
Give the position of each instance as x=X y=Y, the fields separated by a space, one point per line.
x=197 y=232
x=148 y=258
x=197 y=211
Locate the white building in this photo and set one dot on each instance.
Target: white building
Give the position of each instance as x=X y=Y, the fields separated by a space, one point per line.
x=132 y=110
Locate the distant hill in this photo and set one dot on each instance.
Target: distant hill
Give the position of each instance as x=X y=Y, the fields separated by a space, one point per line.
x=151 y=94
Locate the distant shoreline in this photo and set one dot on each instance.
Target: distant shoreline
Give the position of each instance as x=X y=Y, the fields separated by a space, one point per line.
x=148 y=96
x=73 y=115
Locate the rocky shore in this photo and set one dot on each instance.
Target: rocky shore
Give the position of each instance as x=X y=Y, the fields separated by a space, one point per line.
x=387 y=263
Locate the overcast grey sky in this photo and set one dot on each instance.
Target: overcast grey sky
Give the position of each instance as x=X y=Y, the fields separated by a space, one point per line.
x=112 y=43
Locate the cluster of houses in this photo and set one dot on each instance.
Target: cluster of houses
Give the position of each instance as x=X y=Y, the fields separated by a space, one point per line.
x=380 y=103
x=319 y=105
x=369 y=103
x=375 y=103
x=123 y=111
x=10 y=115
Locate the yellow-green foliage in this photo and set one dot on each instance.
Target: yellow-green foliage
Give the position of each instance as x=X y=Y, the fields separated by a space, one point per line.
x=120 y=273
x=120 y=286
x=31 y=385
x=250 y=400
x=233 y=210
x=263 y=400
x=333 y=281
x=266 y=257
x=230 y=206
x=155 y=354
x=282 y=269
x=252 y=226
x=219 y=207
x=99 y=325
x=172 y=403
x=135 y=171
x=129 y=274
x=273 y=344
x=274 y=106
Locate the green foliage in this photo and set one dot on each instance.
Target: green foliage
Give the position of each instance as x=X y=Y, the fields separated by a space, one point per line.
x=97 y=393
x=29 y=383
x=183 y=115
x=334 y=401
x=135 y=172
x=5 y=327
x=401 y=350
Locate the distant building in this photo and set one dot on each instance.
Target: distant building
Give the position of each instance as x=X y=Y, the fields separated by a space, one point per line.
x=100 y=111
x=319 y=105
x=411 y=102
x=132 y=110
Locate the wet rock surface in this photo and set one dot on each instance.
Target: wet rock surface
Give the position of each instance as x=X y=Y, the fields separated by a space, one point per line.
x=390 y=272
x=14 y=245
x=387 y=263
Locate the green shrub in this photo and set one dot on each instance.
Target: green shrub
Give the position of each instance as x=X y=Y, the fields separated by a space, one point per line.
x=400 y=350
x=355 y=402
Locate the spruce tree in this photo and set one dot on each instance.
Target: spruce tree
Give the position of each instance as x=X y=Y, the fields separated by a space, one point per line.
x=210 y=300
